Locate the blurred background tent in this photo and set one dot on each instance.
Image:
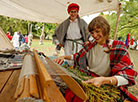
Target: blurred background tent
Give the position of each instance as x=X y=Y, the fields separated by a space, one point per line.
x=4 y=41
x=52 y=11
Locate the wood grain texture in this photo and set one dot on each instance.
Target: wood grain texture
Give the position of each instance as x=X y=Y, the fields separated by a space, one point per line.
x=4 y=77
x=7 y=95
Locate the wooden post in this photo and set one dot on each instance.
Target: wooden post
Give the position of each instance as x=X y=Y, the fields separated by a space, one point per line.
x=117 y=21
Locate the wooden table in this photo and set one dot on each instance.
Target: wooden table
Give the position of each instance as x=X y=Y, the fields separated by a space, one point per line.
x=8 y=84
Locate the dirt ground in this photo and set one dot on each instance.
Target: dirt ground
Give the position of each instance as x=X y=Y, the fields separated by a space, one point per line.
x=49 y=49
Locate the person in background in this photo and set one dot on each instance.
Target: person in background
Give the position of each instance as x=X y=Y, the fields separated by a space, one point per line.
x=15 y=40
x=26 y=39
x=20 y=38
x=107 y=59
x=71 y=33
x=132 y=43
x=23 y=40
x=30 y=38
x=9 y=35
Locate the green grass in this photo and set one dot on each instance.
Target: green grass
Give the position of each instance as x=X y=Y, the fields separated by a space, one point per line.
x=48 y=47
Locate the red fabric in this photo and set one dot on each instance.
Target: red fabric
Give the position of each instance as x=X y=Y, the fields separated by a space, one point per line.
x=9 y=36
x=60 y=63
x=26 y=39
x=73 y=6
x=132 y=41
x=71 y=97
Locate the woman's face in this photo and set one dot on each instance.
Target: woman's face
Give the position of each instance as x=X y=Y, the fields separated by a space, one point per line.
x=97 y=34
x=73 y=14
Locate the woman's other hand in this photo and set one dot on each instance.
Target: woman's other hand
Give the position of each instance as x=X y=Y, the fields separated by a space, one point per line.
x=59 y=60
x=98 y=81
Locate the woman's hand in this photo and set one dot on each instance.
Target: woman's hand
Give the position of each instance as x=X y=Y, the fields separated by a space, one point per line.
x=59 y=60
x=98 y=81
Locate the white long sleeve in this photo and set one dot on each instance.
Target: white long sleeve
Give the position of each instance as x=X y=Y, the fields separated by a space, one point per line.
x=121 y=80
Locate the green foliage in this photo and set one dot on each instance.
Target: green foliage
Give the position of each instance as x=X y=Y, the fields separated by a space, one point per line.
x=14 y=24
x=128 y=19
x=22 y=25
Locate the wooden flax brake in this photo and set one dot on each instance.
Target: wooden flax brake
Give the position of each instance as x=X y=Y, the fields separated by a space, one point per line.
x=50 y=91
x=71 y=83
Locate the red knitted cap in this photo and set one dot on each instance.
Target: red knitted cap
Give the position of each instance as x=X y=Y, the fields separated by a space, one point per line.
x=73 y=6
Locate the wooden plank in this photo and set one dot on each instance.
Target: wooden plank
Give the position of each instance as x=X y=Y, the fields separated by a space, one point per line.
x=50 y=91
x=71 y=83
x=4 y=76
x=7 y=95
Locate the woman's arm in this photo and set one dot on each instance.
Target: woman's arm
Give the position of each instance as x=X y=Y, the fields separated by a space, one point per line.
x=98 y=81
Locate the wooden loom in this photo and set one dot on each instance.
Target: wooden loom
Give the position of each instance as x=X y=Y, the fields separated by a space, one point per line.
x=38 y=84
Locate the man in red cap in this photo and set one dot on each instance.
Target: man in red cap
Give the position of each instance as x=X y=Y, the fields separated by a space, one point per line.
x=71 y=33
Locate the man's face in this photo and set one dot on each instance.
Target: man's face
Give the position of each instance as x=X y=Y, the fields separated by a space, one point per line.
x=73 y=14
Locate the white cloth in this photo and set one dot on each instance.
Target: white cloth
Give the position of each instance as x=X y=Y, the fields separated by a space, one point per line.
x=99 y=61
x=73 y=32
x=15 y=40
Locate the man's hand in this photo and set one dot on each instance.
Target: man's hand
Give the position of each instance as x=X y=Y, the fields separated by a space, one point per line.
x=61 y=45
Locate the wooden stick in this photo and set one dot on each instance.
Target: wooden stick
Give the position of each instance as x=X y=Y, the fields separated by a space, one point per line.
x=117 y=21
x=33 y=86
